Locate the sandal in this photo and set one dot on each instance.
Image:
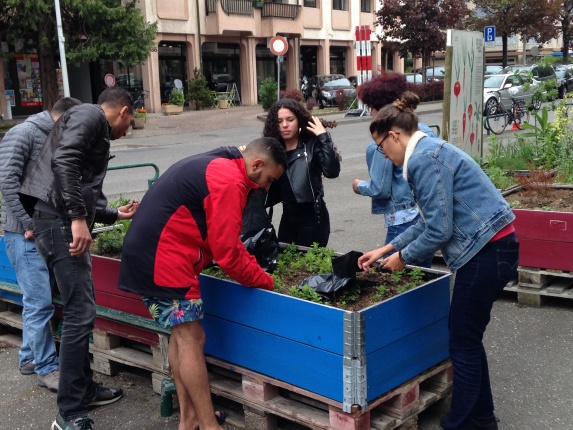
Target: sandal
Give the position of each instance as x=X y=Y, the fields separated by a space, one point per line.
x=221 y=416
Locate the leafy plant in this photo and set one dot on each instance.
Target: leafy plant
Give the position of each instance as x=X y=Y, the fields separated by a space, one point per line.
x=268 y=93
x=198 y=92
x=140 y=113
x=292 y=94
x=306 y=293
x=342 y=100
x=110 y=242
x=176 y=97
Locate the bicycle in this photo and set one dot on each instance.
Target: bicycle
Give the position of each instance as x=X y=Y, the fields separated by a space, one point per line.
x=139 y=102
x=498 y=117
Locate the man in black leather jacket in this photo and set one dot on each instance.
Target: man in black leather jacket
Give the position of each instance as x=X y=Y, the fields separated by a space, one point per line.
x=63 y=194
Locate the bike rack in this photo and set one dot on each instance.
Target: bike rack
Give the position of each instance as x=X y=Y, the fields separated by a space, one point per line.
x=130 y=166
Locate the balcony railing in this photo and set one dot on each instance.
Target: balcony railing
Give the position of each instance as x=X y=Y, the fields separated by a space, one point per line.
x=211 y=6
x=280 y=10
x=231 y=7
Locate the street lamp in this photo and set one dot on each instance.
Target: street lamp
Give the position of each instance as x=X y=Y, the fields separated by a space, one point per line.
x=61 y=45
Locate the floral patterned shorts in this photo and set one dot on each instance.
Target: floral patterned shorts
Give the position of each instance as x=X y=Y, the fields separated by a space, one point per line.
x=170 y=312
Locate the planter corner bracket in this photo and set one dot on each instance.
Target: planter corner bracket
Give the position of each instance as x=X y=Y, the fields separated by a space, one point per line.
x=354 y=367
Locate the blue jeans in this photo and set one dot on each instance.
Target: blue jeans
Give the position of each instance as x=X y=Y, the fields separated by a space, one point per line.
x=477 y=286
x=34 y=281
x=396 y=230
x=74 y=279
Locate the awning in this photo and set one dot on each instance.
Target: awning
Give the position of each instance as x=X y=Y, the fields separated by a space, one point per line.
x=560 y=54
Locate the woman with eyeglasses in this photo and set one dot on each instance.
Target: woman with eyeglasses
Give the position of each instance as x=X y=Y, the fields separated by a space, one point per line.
x=311 y=154
x=467 y=218
x=390 y=193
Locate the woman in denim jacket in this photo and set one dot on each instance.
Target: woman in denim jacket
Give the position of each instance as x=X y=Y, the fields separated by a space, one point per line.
x=466 y=217
x=390 y=193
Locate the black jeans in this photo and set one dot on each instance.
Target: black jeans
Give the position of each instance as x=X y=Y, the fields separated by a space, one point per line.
x=299 y=225
x=477 y=286
x=74 y=279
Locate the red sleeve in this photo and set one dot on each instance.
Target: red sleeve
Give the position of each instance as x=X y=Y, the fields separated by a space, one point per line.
x=224 y=211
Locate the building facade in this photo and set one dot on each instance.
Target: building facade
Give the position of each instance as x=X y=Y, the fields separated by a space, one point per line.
x=228 y=40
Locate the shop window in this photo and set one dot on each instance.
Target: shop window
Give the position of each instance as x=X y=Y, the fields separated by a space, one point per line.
x=339 y=4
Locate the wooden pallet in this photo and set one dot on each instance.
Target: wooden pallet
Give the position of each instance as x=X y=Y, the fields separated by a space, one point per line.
x=534 y=284
x=263 y=401
x=266 y=400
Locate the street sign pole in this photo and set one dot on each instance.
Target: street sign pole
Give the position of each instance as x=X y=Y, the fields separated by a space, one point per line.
x=279 y=47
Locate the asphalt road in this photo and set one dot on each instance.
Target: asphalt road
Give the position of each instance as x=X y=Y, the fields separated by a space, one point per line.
x=530 y=350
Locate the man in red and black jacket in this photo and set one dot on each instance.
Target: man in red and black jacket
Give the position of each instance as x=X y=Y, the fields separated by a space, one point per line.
x=190 y=216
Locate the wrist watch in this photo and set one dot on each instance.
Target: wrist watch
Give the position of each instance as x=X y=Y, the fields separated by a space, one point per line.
x=401 y=258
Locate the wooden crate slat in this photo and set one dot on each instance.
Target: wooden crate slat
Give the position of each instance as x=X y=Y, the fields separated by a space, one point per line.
x=301 y=365
x=306 y=320
x=433 y=301
x=399 y=363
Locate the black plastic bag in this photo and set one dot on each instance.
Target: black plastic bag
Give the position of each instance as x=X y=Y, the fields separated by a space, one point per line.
x=258 y=235
x=326 y=284
x=343 y=275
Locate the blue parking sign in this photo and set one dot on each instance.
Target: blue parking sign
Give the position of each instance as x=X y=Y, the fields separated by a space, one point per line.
x=489 y=33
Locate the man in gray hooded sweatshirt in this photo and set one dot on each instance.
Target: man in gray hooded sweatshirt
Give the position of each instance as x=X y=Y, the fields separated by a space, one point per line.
x=19 y=150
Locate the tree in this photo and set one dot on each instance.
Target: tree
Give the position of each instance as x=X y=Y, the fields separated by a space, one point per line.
x=93 y=29
x=417 y=26
x=527 y=18
x=565 y=19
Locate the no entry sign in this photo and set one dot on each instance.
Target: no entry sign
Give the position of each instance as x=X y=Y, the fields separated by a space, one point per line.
x=109 y=80
x=278 y=45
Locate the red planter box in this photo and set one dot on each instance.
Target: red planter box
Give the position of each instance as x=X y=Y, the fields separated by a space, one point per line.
x=546 y=239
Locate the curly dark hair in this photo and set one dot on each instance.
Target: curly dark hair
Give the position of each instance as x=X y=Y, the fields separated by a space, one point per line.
x=382 y=90
x=271 y=128
x=400 y=114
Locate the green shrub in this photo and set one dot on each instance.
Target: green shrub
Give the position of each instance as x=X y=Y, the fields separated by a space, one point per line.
x=177 y=97
x=198 y=91
x=268 y=93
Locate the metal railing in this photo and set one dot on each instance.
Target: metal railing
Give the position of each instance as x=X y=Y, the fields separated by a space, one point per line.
x=211 y=6
x=280 y=10
x=130 y=166
x=237 y=7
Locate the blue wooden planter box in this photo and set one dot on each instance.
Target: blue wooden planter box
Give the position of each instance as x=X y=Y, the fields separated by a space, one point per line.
x=349 y=357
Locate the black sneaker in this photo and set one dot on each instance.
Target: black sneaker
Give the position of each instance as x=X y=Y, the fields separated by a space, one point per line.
x=79 y=423
x=103 y=396
x=490 y=425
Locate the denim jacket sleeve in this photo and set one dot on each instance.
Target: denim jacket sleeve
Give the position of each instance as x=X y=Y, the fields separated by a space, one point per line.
x=380 y=170
x=432 y=185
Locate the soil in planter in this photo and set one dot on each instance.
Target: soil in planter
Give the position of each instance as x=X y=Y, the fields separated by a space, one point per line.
x=547 y=199
x=294 y=266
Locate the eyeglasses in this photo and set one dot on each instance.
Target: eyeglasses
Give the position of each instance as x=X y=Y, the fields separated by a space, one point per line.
x=379 y=145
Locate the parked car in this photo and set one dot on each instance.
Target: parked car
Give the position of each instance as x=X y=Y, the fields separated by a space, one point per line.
x=413 y=78
x=564 y=74
x=508 y=84
x=492 y=70
x=324 y=88
x=433 y=73
x=353 y=80
x=539 y=72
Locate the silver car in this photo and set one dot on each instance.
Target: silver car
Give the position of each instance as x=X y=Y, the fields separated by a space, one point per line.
x=509 y=85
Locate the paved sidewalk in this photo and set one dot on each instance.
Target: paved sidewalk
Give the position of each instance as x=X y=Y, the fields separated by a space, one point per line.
x=191 y=121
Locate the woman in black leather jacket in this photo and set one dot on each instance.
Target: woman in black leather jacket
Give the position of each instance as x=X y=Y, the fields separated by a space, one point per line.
x=310 y=154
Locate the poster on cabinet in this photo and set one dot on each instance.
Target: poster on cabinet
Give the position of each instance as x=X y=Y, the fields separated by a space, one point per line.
x=28 y=68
